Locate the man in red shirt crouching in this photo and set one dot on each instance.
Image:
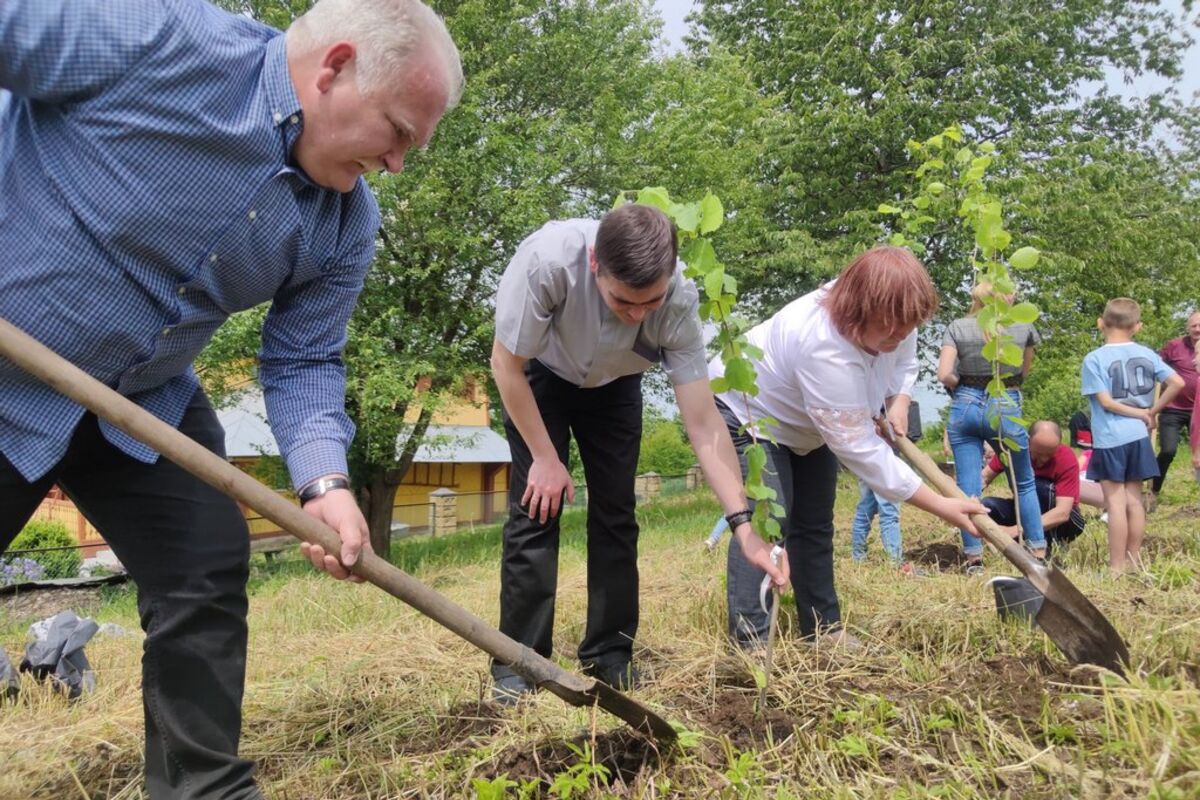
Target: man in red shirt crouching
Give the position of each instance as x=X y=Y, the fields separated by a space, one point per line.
x=1056 y=474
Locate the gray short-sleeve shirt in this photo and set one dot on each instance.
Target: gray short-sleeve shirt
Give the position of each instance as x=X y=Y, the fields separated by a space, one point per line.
x=965 y=336
x=548 y=307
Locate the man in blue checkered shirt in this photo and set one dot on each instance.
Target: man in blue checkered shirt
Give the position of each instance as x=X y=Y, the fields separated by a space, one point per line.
x=164 y=164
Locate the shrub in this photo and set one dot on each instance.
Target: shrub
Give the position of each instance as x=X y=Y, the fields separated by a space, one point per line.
x=40 y=534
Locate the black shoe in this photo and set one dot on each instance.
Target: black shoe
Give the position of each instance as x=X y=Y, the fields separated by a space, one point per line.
x=510 y=690
x=621 y=675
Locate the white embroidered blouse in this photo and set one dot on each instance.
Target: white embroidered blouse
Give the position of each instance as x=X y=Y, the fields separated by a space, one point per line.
x=819 y=388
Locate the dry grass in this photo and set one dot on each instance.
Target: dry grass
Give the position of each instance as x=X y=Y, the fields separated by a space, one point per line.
x=352 y=695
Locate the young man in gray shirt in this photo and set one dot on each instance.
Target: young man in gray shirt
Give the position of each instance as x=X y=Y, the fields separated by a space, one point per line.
x=583 y=309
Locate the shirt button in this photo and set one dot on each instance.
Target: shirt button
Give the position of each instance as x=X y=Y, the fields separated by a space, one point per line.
x=252 y=214
x=181 y=290
x=166 y=331
x=277 y=116
x=295 y=119
x=212 y=259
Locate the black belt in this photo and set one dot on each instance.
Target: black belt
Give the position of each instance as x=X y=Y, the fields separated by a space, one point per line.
x=982 y=381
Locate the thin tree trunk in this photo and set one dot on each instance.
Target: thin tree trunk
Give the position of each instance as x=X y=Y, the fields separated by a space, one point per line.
x=380 y=500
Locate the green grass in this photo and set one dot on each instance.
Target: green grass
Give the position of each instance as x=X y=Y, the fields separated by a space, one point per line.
x=352 y=695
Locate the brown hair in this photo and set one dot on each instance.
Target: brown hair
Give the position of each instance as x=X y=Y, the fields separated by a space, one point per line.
x=885 y=284
x=1122 y=313
x=636 y=245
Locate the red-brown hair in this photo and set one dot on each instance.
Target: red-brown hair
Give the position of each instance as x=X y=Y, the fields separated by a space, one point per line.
x=884 y=284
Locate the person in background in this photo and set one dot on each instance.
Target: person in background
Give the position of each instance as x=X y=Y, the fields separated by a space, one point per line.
x=1119 y=379
x=964 y=371
x=1056 y=475
x=1090 y=493
x=870 y=503
x=1180 y=355
x=1194 y=433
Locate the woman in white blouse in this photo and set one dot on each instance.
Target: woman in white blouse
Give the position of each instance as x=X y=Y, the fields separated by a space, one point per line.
x=831 y=361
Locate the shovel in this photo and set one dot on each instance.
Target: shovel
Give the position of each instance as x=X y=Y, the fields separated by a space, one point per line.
x=1070 y=620
x=64 y=377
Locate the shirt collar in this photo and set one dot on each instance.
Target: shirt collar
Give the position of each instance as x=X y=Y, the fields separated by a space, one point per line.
x=282 y=104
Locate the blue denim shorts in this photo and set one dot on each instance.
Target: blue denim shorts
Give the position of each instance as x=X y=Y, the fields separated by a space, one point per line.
x=1129 y=462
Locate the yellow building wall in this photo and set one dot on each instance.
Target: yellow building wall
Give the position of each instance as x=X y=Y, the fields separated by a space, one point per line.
x=412 y=496
x=469 y=408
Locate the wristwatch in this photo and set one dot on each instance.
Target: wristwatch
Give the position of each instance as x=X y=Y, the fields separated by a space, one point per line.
x=738 y=517
x=319 y=487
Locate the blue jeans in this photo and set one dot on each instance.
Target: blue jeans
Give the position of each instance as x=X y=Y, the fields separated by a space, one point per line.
x=969 y=426
x=889 y=524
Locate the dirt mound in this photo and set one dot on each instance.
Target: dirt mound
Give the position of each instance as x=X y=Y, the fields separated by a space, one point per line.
x=940 y=555
x=621 y=751
x=736 y=715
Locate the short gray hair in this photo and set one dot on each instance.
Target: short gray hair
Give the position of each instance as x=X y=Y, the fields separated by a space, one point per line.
x=386 y=33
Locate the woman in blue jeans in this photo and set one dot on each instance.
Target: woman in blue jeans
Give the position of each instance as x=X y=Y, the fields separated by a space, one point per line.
x=976 y=418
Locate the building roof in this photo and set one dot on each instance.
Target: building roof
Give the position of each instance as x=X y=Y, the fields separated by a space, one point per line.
x=247 y=435
x=462 y=444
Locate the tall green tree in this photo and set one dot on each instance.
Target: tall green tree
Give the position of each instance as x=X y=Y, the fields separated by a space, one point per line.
x=859 y=78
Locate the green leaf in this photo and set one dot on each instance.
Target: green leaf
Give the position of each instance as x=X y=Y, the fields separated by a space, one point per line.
x=619 y=200
x=712 y=213
x=759 y=491
x=771 y=530
x=1024 y=312
x=954 y=133
x=686 y=215
x=756 y=459
x=1025 y=258
x=963 y=155
x=719 y=385
x=991 y=349
x=1011 y=444
x=1011 y=354
x=884 y=208
x=655 y=196
x=741 y=375
x=700 y=256
x=713 y=281
x=897 y=239
x=935 y=188
x=921 y=202
x=987 y=147
x=996 y=387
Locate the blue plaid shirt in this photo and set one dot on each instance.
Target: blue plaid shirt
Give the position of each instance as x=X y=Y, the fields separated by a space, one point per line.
x=146 y=193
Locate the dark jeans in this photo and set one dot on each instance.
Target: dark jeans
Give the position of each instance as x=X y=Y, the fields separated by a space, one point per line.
x=1002 y=511
x=1172 y=422
x=806 y=486
x=607 y=425
x=187 y=547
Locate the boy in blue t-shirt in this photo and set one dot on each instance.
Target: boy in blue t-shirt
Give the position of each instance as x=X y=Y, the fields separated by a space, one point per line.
x=1119 y=380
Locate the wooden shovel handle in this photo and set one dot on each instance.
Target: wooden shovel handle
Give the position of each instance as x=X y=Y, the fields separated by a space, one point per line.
x=68 y=379
x=946 y=487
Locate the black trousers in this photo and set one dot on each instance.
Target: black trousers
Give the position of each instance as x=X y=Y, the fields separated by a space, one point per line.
x=1172 y=424
x=187 y=548
x=806 y=487
x=1002 y=512
x=607 y=425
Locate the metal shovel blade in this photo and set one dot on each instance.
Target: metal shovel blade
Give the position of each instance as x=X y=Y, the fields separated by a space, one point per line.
x=1077 y=627
x=64 y=377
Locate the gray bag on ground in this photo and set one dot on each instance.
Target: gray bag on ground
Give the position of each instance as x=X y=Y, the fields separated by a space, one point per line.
x=9 y=683
x=57 y=650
